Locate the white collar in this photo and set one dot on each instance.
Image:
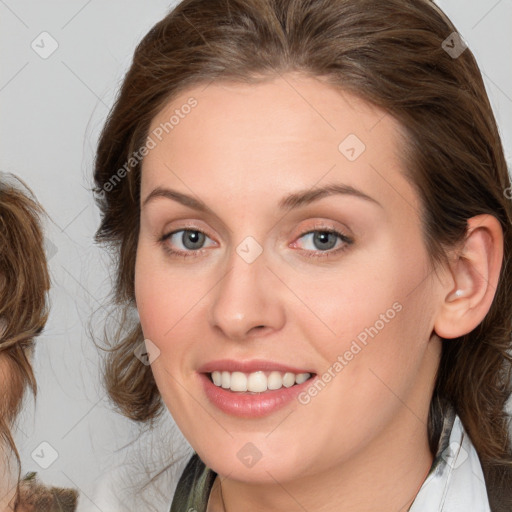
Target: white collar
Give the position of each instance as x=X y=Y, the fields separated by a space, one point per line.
x=456 y=481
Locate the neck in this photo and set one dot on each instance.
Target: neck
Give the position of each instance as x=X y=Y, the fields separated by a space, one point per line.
x=385 y=476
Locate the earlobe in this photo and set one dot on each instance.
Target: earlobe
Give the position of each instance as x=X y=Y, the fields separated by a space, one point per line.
x=475 y=274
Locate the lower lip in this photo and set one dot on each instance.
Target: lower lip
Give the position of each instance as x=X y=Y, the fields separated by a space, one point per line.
x=251 y=405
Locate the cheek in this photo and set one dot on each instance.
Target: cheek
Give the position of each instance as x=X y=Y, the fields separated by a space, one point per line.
x=374 y=316
x=365 y=286
x=165 y=297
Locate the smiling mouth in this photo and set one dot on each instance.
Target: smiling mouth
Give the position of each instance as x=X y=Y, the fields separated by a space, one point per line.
x=257 y=382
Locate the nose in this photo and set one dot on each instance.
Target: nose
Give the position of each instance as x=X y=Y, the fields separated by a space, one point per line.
x=247 y=301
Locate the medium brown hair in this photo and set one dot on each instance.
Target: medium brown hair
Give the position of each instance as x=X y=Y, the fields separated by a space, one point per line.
x=391 y=54
x=24 y=284
x=36 y=497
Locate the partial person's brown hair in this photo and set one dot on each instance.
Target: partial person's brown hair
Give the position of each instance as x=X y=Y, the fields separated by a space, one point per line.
x=389 y=53
x=24 y=285
x=36 y=497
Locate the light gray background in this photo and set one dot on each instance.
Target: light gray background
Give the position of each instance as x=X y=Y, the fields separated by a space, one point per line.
x=52 y=111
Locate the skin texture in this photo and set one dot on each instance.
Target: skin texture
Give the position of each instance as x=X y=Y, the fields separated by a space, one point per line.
x=362 y=441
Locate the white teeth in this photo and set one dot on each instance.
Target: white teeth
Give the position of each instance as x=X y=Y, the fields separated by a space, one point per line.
x=226 y=380
x=217 y=378
x=288 y=380
x=238 y=382
x=274 y=380
x=257 y=382
x=302 y=377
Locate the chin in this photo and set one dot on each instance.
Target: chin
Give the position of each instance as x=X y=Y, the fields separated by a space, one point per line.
x=249 y=460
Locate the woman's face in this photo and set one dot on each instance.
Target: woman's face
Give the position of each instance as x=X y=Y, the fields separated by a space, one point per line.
x=258 y=286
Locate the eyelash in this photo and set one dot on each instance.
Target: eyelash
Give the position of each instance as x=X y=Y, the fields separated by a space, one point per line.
x=347 y=241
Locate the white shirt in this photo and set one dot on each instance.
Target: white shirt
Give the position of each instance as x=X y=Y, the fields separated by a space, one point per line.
x=456 y=481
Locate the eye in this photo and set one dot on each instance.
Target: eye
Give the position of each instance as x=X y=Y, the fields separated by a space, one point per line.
x=324 y=241
x=187 y=241
x=190 y=242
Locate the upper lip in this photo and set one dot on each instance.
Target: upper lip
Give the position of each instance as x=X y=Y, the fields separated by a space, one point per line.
x=230 y=365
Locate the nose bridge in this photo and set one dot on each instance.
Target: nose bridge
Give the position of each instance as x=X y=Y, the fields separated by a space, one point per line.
x=243 y=299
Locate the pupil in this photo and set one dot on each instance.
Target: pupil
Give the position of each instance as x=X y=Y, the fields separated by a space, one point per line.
x=193 y=239
x=322 y=237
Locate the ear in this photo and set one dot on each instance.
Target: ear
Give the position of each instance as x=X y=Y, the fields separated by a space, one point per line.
x=475 y=271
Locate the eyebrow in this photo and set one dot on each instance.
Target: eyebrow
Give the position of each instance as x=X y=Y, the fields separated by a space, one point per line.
x=296 y=200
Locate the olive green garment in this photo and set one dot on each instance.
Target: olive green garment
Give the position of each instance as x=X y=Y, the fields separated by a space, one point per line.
x=193 y=487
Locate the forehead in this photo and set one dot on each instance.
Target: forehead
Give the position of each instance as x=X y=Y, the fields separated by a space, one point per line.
x=290 y=132
x=289 y=107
